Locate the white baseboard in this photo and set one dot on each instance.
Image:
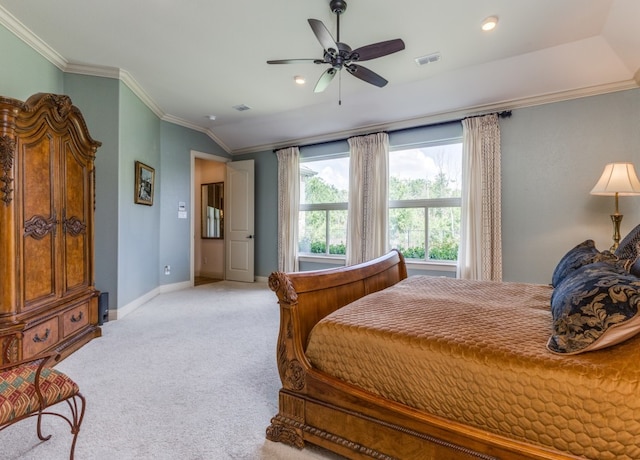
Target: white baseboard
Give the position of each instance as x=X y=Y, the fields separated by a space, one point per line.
x=121 y=312
x=175 y=287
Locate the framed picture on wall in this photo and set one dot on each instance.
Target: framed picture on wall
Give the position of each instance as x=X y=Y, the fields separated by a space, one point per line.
x=145 y=177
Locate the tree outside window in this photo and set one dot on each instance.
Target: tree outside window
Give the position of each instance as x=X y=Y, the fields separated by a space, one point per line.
x=424 y=203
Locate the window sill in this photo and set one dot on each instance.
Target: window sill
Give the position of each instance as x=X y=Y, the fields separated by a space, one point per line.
x=322 y=259
x=441 y=266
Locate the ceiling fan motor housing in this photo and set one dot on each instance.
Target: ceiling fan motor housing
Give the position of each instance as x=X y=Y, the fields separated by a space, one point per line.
x=338 y=6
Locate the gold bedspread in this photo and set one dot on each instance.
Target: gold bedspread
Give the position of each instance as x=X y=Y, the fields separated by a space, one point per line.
x=475 y=352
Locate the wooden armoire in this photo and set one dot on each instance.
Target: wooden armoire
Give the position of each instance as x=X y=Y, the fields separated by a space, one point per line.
x=47 y=187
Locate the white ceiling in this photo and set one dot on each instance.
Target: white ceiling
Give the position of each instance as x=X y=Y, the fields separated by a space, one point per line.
x=191 y=58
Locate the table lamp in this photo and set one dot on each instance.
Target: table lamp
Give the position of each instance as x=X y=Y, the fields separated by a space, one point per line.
x=618 y=179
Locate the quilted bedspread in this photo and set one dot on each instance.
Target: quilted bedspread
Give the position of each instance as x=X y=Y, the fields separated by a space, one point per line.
x=474 y=352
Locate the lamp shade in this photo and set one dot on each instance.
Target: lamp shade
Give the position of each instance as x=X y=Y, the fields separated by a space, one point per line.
x=617 y=178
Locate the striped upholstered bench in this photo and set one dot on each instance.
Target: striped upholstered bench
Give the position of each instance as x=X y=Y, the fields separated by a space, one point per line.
x=28 y=388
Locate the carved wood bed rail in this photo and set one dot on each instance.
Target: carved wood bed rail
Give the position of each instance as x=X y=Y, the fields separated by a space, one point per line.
x=317 y=408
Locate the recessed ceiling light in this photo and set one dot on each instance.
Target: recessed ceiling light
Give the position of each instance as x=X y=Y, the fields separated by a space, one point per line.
x=490 y=23
x=299 y=80
x=211 y=117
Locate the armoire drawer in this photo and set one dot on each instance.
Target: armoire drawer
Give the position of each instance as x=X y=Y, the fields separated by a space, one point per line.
x=75 y=319
x=39 y=338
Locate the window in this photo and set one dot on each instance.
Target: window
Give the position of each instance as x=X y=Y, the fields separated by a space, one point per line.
x=424 y=198
x=424 y=201
x=324 y=186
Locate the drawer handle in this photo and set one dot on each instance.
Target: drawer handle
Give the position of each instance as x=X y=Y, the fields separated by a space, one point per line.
x=78 y=319
x=43 y=339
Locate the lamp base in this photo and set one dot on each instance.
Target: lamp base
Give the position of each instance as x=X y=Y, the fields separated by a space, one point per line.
x=616 y=219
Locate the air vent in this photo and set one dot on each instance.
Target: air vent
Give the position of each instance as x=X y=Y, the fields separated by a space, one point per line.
x=241 y=107
x=428 y=59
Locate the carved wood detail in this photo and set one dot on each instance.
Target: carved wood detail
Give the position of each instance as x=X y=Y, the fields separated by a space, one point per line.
x=7 y=155
x=10 y=349
x=38 y=227
x=282 y=431
x=281 y=285
x=74 y=226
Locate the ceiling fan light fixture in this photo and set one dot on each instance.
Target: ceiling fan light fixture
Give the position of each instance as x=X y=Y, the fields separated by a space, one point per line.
x=299 y=79
x=489 y=23
x=338 y=55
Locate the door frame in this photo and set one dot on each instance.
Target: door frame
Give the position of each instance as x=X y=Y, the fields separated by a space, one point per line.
x=208 y=157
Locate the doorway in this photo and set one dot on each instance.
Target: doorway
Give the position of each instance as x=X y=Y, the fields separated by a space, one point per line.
x=207 y=254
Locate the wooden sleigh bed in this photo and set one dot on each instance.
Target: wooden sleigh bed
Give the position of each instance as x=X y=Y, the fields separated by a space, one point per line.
x=533 y=405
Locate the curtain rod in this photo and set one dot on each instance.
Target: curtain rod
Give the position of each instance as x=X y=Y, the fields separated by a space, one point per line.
x=503 y=114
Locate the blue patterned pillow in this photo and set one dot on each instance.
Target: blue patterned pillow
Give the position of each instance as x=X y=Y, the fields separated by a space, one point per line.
x=582 y=254
x=594 y=307
x=628 y=248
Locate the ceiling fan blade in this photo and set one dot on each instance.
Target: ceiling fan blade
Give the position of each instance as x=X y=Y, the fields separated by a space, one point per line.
x=376 y=50
x=296 y=61
x=367 y=75
x=325 y=79
x=323 y=35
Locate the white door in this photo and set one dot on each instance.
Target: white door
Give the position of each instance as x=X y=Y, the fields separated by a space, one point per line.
x=239 y=221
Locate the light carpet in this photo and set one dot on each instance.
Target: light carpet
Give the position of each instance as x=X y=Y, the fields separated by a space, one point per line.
x=189 y=375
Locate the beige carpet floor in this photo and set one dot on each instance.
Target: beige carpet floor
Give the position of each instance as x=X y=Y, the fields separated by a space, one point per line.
x=189 y=375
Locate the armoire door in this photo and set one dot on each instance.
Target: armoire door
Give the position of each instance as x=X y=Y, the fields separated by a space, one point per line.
x=76 y=207
x=38 y=218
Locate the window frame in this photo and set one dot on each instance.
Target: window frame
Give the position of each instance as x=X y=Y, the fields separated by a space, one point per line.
x=326 y=207
x=425 y=265
x=427 y=203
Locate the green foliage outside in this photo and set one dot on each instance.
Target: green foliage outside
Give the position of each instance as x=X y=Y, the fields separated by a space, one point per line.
x=406 y=225
x=320 y=247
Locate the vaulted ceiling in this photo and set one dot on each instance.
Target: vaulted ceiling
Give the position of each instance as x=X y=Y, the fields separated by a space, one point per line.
x=191 y=59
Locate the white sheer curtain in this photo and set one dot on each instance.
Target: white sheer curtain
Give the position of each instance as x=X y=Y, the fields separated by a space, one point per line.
x=367 y=225
x=480 y=254
x=288 y=205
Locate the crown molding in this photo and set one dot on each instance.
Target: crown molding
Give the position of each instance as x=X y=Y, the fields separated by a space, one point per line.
x=35 y=42
x=12 y=24
x=187 y=124
x=454 y=115
x=120 y=74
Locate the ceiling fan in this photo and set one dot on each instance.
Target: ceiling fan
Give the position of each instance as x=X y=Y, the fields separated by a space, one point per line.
x=340 y=55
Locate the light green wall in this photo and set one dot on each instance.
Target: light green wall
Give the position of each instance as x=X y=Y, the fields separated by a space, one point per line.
x=139 y=225
x=177 y=143
x=24 y=71
x=552 y=156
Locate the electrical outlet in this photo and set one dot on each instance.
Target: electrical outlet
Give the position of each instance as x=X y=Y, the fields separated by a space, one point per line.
x=167 y=269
